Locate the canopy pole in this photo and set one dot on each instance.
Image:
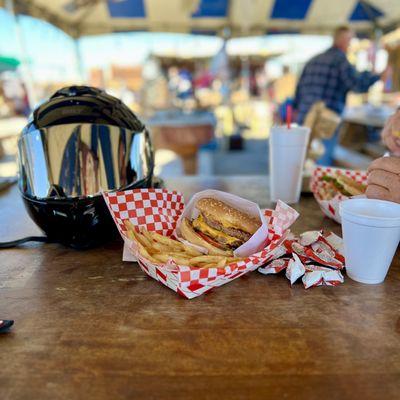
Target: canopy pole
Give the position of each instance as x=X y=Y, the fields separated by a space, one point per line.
x=376 y=47
x=376 y=32
x=79 y=63
x=226 y=71
x=245 y=73
x=26 y=73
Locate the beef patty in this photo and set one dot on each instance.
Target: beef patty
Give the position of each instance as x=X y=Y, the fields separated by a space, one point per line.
x=237 y=233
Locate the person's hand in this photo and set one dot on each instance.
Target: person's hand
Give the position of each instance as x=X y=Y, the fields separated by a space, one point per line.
x=391 y=134
x=384 y=179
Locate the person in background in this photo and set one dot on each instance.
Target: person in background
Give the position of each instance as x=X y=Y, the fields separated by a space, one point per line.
x=283 y=91
x=173 y=81
x=185 y=85
x=384 y=173
x=328 y=77
x=285 y=86
x=203 y=79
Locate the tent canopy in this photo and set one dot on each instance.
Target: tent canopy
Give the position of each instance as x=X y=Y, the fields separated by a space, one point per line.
x=217 y=17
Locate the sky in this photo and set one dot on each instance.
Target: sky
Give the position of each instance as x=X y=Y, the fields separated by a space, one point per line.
x=51 y=53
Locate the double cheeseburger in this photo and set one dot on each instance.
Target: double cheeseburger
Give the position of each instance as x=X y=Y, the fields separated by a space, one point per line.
x=340 y=184
x=219 y=227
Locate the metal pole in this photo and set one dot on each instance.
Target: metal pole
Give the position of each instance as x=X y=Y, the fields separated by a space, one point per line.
x=245 y=73
x=377 y=30
x=26 y=73
x=79 y=63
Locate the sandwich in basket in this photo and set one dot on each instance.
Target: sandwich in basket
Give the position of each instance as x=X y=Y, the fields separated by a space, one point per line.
x=219 y=228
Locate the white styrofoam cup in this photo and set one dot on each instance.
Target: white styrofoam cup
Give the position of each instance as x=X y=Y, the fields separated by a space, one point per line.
x=371 y=234
x=287 y=152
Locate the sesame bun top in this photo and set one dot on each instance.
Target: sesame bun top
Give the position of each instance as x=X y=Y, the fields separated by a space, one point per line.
x=227 y=215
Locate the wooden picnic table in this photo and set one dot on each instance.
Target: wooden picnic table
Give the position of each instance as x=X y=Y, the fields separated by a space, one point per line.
x=88 y=326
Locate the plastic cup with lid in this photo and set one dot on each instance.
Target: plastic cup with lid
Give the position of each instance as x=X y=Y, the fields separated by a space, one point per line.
x=287 y=152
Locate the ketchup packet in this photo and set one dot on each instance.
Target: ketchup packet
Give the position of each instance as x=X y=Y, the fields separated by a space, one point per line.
x=295 y=269
x=316 y=275
x=294 y=247
x=310 y=237
x=335 y=242
x=323 y=253
x=302 y=252
x=275 y=266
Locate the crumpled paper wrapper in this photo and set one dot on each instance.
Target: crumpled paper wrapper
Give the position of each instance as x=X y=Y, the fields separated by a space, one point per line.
x=331 y=207
x=301 y=255
x=276 y=266
x=316 y=275
x=159 y=210
x=295 y=269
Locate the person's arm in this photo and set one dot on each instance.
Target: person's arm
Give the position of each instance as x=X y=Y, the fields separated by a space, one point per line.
x=353 y=80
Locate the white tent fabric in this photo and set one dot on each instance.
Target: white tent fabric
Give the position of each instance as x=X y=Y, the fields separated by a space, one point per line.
x=241 y=17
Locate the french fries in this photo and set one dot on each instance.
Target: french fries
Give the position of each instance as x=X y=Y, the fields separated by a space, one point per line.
x=161 y=249
x=207 y=259
x=145 y=254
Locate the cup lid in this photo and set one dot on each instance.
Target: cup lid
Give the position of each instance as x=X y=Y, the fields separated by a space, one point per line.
x=372 y=212
x=295 y=136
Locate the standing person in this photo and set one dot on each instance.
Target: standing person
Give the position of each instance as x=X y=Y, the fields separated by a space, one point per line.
x=185 y=85
x=328 y=77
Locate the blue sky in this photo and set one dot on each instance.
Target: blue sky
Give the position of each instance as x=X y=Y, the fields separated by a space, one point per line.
x=46 y=47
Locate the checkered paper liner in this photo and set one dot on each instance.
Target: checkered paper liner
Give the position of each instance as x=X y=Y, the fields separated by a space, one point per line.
x=154 y=209
x=159 y=209
x=331 y=207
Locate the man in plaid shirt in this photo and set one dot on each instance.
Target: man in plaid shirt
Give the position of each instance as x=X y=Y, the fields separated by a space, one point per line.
x=329 y=77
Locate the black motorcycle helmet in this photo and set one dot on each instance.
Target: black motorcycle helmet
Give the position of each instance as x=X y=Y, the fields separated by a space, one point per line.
x=78 y=143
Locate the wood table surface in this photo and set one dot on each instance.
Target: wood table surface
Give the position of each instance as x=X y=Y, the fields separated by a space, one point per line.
x=88 y=326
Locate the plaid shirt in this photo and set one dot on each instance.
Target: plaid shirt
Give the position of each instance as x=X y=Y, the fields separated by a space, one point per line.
x=329 y=77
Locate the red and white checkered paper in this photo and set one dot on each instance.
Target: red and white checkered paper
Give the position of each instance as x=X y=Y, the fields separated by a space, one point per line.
x=331 y=207
x=316 y=275
x=159 y=209
x=300 y=254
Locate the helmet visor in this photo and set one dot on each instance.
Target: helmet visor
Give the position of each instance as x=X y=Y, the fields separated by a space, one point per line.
x=80 y=160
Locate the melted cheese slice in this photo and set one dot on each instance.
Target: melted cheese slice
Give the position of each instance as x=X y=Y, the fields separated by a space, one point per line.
x=200 y=224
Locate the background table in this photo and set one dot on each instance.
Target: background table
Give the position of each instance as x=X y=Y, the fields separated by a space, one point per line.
x=183 y=133
x=89 y=326
x=359 y=141
x=368 y=115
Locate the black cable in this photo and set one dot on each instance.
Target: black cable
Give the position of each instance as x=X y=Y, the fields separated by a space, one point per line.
x=15 y=243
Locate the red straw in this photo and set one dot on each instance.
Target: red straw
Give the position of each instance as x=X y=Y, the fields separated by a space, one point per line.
x=288 y=115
